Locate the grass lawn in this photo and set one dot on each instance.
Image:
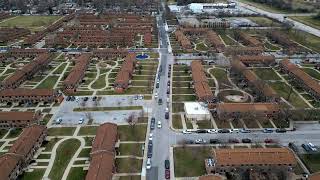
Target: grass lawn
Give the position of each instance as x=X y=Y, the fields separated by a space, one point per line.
x=222 y=124
x=306 y=39
x=123 y=108
x=14 y=133
x=36 y=174
x=3 y=132
x=184 y=98
x=182 y=78
x=189 y=161
x=308 y=20
x=87 y=130
x=221 y=76
x=88 y=141
x=130 y=178
x=182 y=91
x=176 y=121
x=131 y=149
x=61 y=131
x=312 y=161
x=283 y=90
x=205 y=124
x=201 y=47
x=100 y=82
x=271 y=46
x=30 y=22
x=76 y=173
x=266 y=74
x=49 y=144
x=263 y=21
x=85 y=152
x=128 y=165
x=312 y=72
x=83 y=93
x=250 y=123
x=134 y=133
x=177 y=107
x=227 y=40
x=48 y=83
x=64 y=154
x=60 y=68
x=265 y=7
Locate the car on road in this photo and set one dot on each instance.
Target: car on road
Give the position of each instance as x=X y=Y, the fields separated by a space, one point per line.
x=246 y=140
x=157 y=85
x=94 y=98
x=212 y=131
x=234 y=130
x=214 y=141
x=281 y=130
x=200 y=141
x=72 y=98
x=201 y=131
x=268 y=140
x=168 y=91
x=234 y=141
x=168 y=83
x=167 y=174
x=159 y=124
x=148 y=163
x=267 y=130
x=166 y=115
x=156 y=95
x=312 y=147
x=152 y=124
x=245 y=131
x=85 y=99
x=68 y=98
x=81 y=120
x=187 y=131
x=306 y=148
x=224 y=131
x=167 y=164
x=59 y=120
x=160 y=101
x=150 y=137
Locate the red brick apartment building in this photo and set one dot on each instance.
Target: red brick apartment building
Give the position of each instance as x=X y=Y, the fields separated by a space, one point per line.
x=17 y=119
x=102 y=165
x=251 y=79
x=23 y=95
x=27 y=72
x=110 y=53
x=257 y=60
x=26 y=53
x=10 y=34
x=214 y=40
x=238 y=110
x=290 y=46
x=3 y=57
x=124 y=76
x=237 y=50
x=200 y=83
x=303 y=79
x=77 y=73
x=21 y=153
x=248 y=40
x=229 y=160
x=183 y=40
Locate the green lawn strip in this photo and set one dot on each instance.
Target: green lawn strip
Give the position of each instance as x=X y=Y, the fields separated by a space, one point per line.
x=221 y=76
x=131 y=149
x=36 y=174
x=61 y=131
x=77 y=173
x=88 y=130
x=266 y=74
x=100 y=82
x=48 y=83
x=132 y=133
x=122 y=108
x=30 y=22
x=182 y=78
x=128 y=165
x=46 y=119
x=3 y=132
x=182 y=91
x=189 y=161
x=85 y=152
x=44 y=156
x=49 y=144
x=312 y=161
x=308 y=20
x=14 y=133
x=204 y=124
x=177 y=107
x=176 y=121
x=265 y=123
x=88 y=140
x=83 y=93
x=265 y=7
x=141 y=83
x=272 y=47
x=309 y=40
x=283 y=90
x=142 y=77
x=60 y=68
x=189 y=124
x=312 y=72
x=250 y=123
x=263 y=21
x=201 y=47
x=64 y=154
x=130 y=178
x=184 y=98
x=227 y=40
x=222 y=124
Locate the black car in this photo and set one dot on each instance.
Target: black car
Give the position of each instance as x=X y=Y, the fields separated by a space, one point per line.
x=166 y=115
x=85 y=99
x=246 y=140
x=68 y=98
x=168 y=83
x=306 y=147
x=73 y=98
x=157 y=85
x=167 y=164
x=94 y=98
x=152 y=124
x=160 y=101
x=214 y=141
x=201 y=131
x=168 y=91
x=281 y=130
x=224 y=131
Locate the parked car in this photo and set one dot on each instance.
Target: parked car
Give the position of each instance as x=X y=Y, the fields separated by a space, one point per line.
x=168 y=83
x=224 y=131
x=59 y=120
x=167 y=174
x=235 y=130
x=166 y=115
x=201 y=131
x=160 y=101
x=168 y=91
x=150 y=137
x=148 y=163
x=152 y=124
x=306 y=148
x=167 y=164
x=234 y=141
x=94 y=98
x=156 y=95
x=81 y=120
x=245 y=131
x=200 y=141
x=267 y=130
x=187 y=131
x=281 y=130
x=189 y=142
x=312 y=147
x=68 y=98
x=159 y=124
x=212 y=131
x=85 y=99
x=268 y=140
x=214 y=141
x=246 y=140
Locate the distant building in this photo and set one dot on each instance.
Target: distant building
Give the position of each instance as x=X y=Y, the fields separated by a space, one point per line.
x=17 y=119
x=195 y=111
x=202 y=7
x=124 y=76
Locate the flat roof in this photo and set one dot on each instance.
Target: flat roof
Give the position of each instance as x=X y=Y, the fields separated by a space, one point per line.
x=196 y=108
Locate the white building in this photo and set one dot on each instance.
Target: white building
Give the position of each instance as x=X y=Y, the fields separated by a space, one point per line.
x=201 y=7
x=196 y=111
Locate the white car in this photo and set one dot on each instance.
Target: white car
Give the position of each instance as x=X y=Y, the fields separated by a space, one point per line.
x=150 y=137
x=81 y=120
x=235 y=130
x=187 y=131
x=212 y=131
x=167 y=109
x=148 y=163
x=156 y=95
x=159 y=124
x=58 y=121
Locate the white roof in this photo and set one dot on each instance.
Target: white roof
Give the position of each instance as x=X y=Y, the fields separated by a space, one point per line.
x=196 y=108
